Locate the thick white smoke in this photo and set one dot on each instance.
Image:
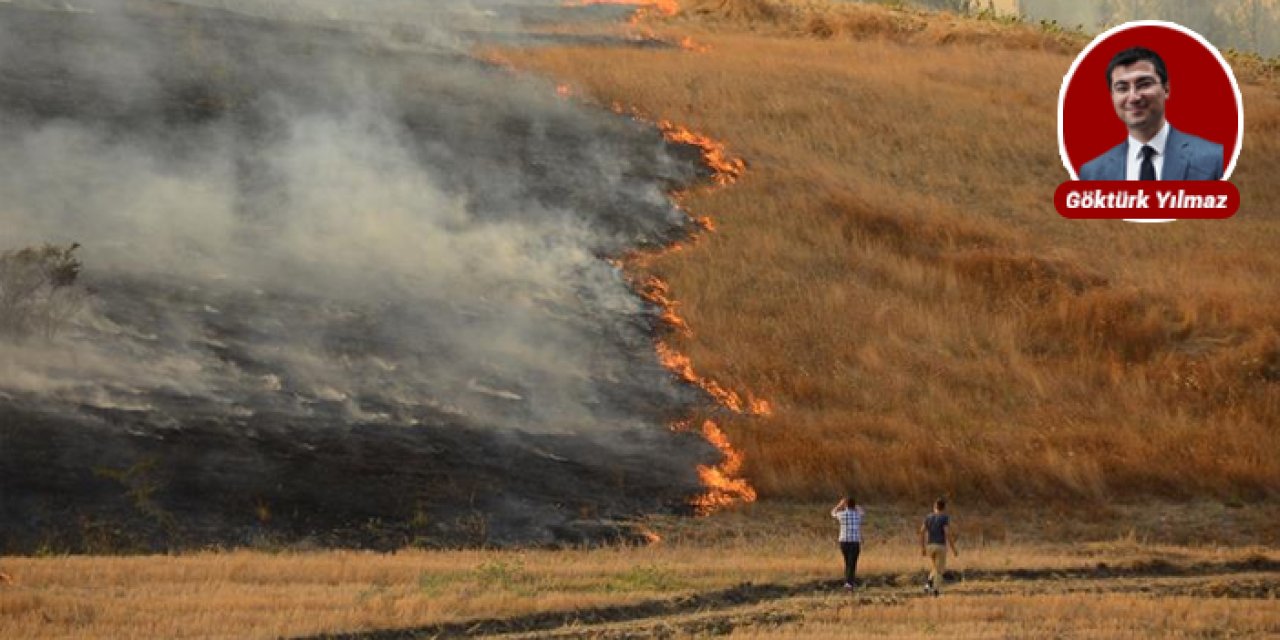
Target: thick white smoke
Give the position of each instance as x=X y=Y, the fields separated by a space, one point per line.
x=329 y=212
x=506 y=289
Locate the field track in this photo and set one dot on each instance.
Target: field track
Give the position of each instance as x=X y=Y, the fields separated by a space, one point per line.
x=745 y=605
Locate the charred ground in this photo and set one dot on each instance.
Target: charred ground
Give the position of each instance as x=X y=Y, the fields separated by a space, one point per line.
x=490 y=382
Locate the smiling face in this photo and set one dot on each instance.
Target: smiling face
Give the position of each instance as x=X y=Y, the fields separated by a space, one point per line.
x=1139 y=96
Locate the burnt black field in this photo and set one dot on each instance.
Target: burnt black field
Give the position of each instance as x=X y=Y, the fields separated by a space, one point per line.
x=347 y=285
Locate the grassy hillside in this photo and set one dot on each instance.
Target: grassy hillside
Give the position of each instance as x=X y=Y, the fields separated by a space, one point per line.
x=890 y=274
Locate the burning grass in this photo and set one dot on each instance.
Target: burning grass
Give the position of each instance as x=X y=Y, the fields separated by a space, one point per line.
x=891 y=275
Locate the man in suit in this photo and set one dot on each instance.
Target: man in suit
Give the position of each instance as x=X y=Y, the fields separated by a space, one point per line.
x=1139 y=87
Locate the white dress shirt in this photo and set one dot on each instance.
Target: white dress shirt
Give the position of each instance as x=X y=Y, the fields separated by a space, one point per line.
x=1134 y=166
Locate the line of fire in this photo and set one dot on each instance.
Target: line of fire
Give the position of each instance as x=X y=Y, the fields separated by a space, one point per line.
x=724 y=484
x=723 y=481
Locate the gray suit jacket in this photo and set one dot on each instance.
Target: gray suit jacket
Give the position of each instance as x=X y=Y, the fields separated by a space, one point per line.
x=1186 y=157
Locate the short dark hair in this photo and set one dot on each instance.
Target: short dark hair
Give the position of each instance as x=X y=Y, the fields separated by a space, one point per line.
x=848 y=498
x=940 y=504
x=1137 y=54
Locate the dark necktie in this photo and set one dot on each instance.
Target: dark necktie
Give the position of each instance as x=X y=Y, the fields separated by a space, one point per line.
x=1148 y=170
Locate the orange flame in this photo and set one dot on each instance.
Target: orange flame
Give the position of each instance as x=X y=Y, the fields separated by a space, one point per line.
x=688 y=44
x=728 y=169
x=723 y=483
x=724 y=487
x=497 y=59
x=759 y=407
x=682 y=366
x=654 y=290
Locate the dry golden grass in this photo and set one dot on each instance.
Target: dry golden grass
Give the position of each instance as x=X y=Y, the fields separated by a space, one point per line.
x=1016 y=615
x=823 y=19
x=246 y=594
x=891 y=275
x=251 y=594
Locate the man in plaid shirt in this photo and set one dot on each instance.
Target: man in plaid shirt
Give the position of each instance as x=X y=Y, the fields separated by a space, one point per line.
x=849 y=514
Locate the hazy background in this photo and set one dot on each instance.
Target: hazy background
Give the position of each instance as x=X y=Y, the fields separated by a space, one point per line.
x=1246 y=25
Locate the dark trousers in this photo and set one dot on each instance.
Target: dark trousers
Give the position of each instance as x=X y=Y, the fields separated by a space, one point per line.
x=850 y=550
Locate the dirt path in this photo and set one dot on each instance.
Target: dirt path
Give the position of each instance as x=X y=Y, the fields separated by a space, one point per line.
x=721 y=611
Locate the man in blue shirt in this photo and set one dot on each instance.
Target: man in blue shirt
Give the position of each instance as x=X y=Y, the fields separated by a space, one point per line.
x=849 y=514
x=936 y=534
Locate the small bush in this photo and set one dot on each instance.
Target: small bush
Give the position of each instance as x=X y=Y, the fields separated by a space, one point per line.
x=38 y=292
x=647 y=578
x=498 y=573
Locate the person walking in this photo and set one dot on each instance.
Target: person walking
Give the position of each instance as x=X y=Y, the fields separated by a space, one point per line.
x=849 y=513
x=936 y=535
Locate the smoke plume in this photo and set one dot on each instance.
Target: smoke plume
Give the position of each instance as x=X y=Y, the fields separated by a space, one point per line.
x=312 y=231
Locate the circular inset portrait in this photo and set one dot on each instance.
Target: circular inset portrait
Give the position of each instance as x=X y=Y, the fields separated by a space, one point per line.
x=1150 y=100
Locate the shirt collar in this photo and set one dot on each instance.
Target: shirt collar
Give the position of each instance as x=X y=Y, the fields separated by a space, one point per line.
x=1158 y=143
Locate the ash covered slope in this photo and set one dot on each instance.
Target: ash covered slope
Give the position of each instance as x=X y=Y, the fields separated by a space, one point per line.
x=349 y=284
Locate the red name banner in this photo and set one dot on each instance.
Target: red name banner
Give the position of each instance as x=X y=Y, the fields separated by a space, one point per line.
x=1147 y=200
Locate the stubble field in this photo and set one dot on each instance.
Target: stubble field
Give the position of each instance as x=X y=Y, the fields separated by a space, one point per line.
x=768 y=570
